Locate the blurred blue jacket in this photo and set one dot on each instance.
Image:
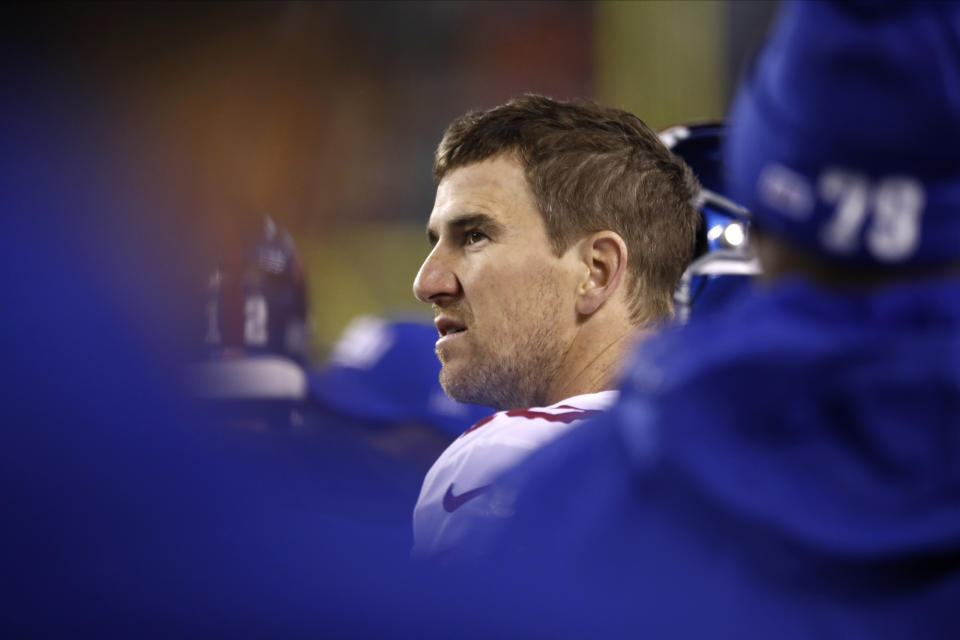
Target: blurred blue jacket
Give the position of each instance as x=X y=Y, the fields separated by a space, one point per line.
x=788 y=469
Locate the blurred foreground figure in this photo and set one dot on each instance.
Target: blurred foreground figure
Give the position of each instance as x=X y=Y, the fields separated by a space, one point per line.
x=790 y=468
x=127 y=513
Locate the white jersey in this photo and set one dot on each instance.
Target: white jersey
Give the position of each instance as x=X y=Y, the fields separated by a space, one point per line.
x=464 y=472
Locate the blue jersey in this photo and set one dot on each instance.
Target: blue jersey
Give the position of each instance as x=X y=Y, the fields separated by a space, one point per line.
x=791 y=468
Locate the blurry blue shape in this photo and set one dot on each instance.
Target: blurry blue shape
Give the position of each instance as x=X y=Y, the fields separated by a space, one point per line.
x=126 y=513
x=793 y=463
x=386 y=371
x=847 y=132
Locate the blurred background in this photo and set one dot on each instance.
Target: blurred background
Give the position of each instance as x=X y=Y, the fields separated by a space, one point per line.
x=325 y=115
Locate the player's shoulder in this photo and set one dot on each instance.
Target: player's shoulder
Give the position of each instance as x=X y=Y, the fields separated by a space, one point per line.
x=566 y=411
x=531 y=427
x=795 y=321
x=473 y=464
x=741 y=372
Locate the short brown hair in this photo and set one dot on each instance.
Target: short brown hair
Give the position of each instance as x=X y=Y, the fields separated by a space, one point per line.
x=592 y=168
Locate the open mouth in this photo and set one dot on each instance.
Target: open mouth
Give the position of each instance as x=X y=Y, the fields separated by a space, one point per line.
x=447 y=326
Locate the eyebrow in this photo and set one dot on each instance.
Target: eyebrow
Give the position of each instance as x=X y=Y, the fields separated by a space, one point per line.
x=466 y=220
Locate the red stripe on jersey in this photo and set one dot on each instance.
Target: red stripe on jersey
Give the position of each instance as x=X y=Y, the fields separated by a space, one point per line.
x=479 y=423
x=566 y=417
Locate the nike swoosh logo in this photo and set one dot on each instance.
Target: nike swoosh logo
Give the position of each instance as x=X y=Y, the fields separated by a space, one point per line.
x=451 y=502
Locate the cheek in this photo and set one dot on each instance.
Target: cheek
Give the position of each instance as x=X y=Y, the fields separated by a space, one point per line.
x=488 y=280
x=498 y=277
x=517 y=295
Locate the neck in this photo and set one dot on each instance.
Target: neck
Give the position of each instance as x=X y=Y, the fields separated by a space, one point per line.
x=594 y=361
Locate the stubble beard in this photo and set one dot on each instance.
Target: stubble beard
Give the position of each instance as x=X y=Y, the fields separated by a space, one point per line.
x=515 y=369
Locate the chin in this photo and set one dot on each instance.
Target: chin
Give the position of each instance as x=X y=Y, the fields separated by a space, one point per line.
x=468 y=384
x=459 y=385
x=452 y=382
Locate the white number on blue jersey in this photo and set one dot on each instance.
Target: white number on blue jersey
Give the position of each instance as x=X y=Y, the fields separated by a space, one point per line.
x=255 y=320
x=891 y=206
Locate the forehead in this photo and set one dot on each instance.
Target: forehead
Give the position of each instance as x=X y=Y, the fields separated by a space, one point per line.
x=495 y=187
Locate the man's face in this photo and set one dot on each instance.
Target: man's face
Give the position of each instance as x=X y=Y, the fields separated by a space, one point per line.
x=503 y=301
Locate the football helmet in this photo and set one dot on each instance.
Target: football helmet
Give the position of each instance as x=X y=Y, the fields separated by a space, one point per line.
x=723 y=259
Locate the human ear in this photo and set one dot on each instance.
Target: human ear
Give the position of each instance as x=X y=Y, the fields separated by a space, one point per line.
x=604 y=255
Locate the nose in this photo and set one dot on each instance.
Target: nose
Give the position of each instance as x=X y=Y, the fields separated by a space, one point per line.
x=436 y=280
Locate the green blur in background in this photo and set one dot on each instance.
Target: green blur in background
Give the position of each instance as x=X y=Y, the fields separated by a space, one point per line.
x=361 y=270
